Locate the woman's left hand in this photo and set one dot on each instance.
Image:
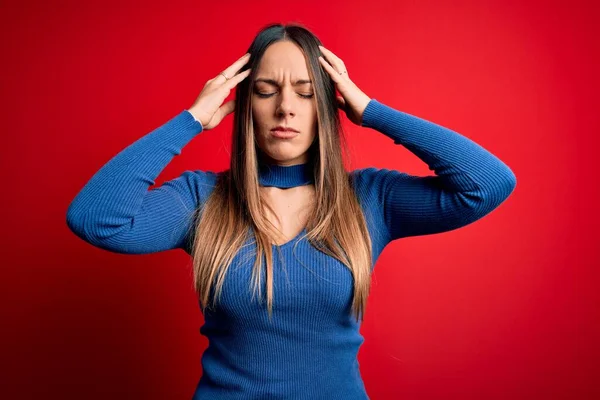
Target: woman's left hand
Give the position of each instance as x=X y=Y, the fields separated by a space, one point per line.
x=353 y=100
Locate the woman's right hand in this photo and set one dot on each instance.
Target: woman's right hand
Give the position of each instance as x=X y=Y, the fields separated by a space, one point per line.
x=208 y=108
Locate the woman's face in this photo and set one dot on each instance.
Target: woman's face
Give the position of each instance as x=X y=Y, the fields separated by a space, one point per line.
x=284 y=96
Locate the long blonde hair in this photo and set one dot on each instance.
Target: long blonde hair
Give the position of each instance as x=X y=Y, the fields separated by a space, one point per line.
x=336 y=225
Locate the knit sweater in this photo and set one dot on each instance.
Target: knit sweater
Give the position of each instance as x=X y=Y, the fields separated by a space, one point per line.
x=309 y=349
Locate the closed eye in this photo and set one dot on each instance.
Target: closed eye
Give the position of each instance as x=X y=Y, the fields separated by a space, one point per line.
x=266 y=95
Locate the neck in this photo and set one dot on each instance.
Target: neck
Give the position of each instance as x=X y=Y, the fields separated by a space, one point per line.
x=285 y=176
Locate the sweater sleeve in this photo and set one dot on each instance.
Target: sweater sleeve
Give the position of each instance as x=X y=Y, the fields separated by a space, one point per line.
x=469 y=181
x=115 y=210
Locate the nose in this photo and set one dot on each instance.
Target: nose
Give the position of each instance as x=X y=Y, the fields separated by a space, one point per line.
x=285 y=104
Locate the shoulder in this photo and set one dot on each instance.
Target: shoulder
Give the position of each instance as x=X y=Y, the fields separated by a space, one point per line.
x=200 y=178
x=375 y=179
x=196 y=184
x=203 y=177
x=379 y=186
x=370 y=186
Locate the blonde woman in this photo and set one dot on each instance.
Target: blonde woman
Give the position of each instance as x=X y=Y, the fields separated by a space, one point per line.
x=284 y=242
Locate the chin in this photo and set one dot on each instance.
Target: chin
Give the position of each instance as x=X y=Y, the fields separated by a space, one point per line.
x=282 y=156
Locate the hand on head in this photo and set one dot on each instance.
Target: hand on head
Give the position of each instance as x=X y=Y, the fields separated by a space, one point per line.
x=208 y=107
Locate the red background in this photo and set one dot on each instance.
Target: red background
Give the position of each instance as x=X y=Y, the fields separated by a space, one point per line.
x=505 y=308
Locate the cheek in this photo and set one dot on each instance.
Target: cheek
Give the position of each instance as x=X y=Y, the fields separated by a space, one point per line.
x=260 y=114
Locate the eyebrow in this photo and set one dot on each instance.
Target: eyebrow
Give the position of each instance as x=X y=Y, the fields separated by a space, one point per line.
x=275 y=83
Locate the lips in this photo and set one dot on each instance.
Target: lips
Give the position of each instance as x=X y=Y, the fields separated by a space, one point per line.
x=284 y=129
x=284 y=132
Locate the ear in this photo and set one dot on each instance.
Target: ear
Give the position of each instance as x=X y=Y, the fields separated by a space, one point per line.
x=341 y=102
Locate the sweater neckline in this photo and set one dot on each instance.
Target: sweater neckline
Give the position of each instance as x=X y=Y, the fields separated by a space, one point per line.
x=285 y=176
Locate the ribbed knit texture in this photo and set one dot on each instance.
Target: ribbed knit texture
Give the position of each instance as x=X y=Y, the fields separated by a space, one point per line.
x=285 y=177
x=309 y=349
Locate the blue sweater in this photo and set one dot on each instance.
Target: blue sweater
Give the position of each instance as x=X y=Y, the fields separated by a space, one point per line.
x=309 y=349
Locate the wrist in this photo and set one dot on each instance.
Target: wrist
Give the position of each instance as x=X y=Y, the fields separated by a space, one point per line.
x=194 y=114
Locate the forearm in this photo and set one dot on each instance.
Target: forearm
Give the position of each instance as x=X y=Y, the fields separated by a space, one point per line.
x=114 y=194
x=461 y=164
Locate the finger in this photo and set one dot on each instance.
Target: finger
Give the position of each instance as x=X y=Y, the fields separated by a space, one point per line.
x=235 y=67
x=329 y=54
x=227 y=108
x=333 y=59
x=221 y=113
x=231 y=83
x=332 y=72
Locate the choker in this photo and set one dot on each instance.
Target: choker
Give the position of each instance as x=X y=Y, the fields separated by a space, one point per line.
x=285 y=176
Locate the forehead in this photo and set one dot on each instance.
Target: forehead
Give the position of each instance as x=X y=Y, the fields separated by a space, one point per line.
x=283 y=60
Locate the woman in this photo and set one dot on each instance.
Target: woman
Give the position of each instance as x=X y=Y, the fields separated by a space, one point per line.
x=286 y=191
